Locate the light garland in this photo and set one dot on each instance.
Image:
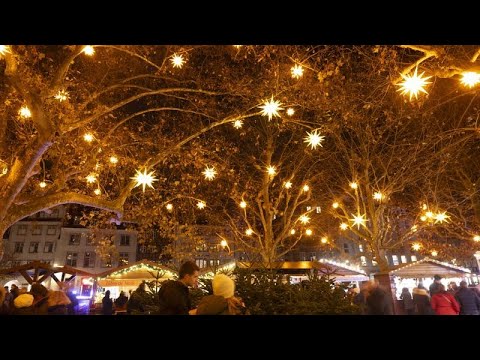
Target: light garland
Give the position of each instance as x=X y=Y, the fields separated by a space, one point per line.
x=344 y=265
x=140 y=267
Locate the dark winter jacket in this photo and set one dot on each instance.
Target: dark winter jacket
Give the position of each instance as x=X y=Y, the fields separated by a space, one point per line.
x=469 y=301
x=379 y=302
x=407 y=300
x=174 y=298
x=421 y=302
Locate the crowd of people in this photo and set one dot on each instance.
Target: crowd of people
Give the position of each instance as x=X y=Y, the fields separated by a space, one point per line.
x=437 y=300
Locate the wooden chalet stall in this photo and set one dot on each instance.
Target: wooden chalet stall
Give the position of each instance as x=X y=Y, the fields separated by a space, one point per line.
x=40 y=272
x=422 y=272
x=298 y=271
x=128 y=277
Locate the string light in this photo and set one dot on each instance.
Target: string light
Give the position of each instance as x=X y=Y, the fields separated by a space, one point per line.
x=97 y=191
x=141 y=267
x=237 y=124
x=177 y=61
x=88 y=137
x=344 y=226
x=414 y=84
x=89 y=50
x=292 y=232
x=441 y=217
x=324 y=240
x=378 y=196
x=91 y=178
x=476 y=238
x=144 y=178
x=42 y=184
x=344 y=265
x=25 y=112
x=297 y=71
x=62 y=95
x=306 y=188
x=271 y=108
x=209 y=173
x=416 y=246
x=237 y=46
x=314 y=139
x=249 y=232
x=308 y=232
x=470 y=79
x=354 y=185
x=434 y=253
x=358 y=220
x=426 y=259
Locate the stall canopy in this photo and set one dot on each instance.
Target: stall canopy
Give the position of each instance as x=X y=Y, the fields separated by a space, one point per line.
x=38 y=272
x=134 y=274
x=341 y=272
x=427 y=267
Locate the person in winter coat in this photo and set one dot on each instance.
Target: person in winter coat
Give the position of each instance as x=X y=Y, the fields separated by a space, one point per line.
x=107 y=304
x=421 y=301
x=379 y=301
x=33 y=303
x=444 y=303
x=468 y=300
x=223 y=301
x=121 y=304
x=174 y=296
x=407 y=301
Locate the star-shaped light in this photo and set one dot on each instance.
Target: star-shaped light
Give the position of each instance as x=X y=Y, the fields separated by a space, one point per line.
x=201 y=204
x=416 y=246
x=177 y=60
x=297 y=71
x=42 y=184
x=271 y=108
x=144 y=178
x=237 y=124
x=209 y=173
x=378 y=196
x=308 y=232
x=324 y=240
x=335 y=205
x=353 y=185
x=4 y=49
x=271 y=170
x=88 y=137
x=292 y=232
x=62 y=95
x=243 y=204
x=306 y=188
x=314 y=139
x=290 y=111
x=97 y=191
x=88 y=50
x=113 y=159
x=169 y=207
x=249 y=232
x=476 y=238
x=304 y=219
x=91 y=178
x=344 y=226
x=434 y=253
x=441 y=217
x=423 y=218
x=287 y=184
x=358 y=220
x=25 y=112
x=412 y=85
x=470 y=79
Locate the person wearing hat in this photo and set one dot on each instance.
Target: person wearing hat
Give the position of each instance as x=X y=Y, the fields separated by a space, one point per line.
x=223 y=301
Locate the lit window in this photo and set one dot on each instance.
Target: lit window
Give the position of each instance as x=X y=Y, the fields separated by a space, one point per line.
x=395 y=259
x=123 y=258
x=318 y=209
x=89 y=259
x=360 y=248
x=309 y=208
x=72 y=258
x=403 y=259
x=33 y=248
x=48 y=247
x=413 y=257
x=363 y=260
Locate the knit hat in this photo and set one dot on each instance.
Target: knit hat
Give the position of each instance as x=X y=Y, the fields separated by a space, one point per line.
x=223 y=286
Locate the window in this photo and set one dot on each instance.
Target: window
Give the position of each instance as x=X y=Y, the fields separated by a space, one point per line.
x=48 y=247
x=22 y=229
x=37 y=230
x=33 y=248
x=72 y=258
x=395 y=259
x=201 y=263
x=123 y=259
x=403 y=259
x=309 y=208
x=363 y=260
x=75 y=239
x=18 y=248
x=201 y=247
x=143 y=249
x=90 y=240
x=106 y=262
x=51 y=230
x=125 y=240
x=89 y=259
x=318 y=209
x=413 y=257
x=346 y=248
x=360 y=248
